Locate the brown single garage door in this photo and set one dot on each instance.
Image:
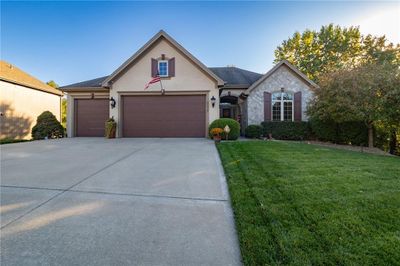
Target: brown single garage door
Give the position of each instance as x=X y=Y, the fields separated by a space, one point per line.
x=164 y=116
x=90 y=117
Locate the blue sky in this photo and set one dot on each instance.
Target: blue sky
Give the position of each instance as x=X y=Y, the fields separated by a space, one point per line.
x=75 y=41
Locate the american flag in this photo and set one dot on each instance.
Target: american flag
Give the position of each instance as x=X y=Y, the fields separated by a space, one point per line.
x=154 y=80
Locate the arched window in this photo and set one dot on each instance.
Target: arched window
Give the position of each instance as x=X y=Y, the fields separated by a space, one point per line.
x=282 y=106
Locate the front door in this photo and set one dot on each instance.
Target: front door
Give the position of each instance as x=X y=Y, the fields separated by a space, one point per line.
x=227 y=113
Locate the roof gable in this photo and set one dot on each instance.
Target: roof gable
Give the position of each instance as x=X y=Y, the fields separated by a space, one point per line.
x=275 y=68
x=13 y=74
x=160 y=35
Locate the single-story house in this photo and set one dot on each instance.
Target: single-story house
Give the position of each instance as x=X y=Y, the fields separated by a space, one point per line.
x=189 y=97
x=22 y=99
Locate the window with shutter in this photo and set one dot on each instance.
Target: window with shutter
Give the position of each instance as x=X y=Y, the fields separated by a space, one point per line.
x=297 y=106
x=154 y=68
x=171 y=67
x=163 y=68
x=282 y=106
x=267 y=106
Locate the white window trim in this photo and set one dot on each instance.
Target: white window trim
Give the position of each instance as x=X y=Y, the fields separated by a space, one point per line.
x=282 y=105
x=158 y=68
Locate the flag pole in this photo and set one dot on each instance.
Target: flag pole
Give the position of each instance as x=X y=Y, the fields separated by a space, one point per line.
x=162 y=88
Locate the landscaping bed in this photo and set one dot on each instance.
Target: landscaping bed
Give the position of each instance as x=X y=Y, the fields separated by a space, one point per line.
x=301 y=204
x=349 y=147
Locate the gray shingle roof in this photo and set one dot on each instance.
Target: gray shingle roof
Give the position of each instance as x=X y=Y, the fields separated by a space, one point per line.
x=236 y=76
x=231 y=75
x=87 y=84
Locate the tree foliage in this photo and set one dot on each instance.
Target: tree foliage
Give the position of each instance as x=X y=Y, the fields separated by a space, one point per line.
x=368 y=93
x=333 y=48
x=358 y=75
x=53 y=84
x=64 y=112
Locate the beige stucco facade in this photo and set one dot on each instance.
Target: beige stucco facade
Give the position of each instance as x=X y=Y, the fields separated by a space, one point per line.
x=188 y=79
x=20 y=106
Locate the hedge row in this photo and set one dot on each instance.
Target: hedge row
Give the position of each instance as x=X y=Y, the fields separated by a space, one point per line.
x=287 y=130
x=355 y=133
x=254 y=131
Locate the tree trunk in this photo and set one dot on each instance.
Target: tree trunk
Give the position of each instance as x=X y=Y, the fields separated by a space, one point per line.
x=393 y=142
x=370 y=135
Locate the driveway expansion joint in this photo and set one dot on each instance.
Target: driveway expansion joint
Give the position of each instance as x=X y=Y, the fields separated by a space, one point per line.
x=124 y=194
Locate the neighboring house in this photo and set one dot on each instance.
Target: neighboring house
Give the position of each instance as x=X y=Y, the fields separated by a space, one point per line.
x=195 y=95
x=22 y=99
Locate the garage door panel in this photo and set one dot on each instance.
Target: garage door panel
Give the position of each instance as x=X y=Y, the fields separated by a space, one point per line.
x=182 y=115
x=164 y=116
x=91 y=115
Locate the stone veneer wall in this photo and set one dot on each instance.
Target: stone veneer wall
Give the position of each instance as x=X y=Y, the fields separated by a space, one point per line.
x=281 y=78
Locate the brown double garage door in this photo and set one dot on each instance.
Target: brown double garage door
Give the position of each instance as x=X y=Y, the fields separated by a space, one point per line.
x=145 y=116
x=163 y=116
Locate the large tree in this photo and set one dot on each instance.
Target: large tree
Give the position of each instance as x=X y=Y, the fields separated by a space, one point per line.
x=64 y=112
x=53 y=84
x=368 y=93
x=333 y=48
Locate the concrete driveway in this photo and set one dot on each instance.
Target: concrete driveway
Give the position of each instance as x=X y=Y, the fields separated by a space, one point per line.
x=91 y=201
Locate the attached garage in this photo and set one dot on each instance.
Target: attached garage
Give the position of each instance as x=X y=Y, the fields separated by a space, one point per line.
x=163 y=116
x=90 y=117
x=160 y=91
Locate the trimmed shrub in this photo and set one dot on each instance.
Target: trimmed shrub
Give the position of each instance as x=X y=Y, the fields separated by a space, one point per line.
x=355 y=133
x=287 y=130
x=324 y=131
x=48 y=126
x=221 y=123
x=253 y=131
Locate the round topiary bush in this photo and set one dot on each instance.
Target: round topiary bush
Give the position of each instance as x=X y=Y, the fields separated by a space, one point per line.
x=221 y=123
x=253 y=131
x=48 y=126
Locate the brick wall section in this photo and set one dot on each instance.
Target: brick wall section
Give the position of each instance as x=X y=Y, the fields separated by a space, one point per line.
x=282 y=77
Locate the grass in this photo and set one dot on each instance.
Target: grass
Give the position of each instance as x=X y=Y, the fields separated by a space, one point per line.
x=299 y=204
x=9 y=141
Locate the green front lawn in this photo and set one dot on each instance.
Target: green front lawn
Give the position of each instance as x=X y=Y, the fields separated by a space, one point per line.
x=10 y=141
x=302 y=204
